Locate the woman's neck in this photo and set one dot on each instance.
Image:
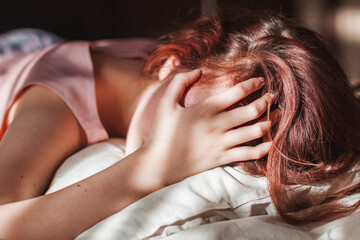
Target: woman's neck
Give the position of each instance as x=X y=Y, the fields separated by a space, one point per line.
x=119 y=83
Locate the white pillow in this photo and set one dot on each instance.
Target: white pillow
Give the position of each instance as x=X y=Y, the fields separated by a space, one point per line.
x=87 y=162
x=220 y=194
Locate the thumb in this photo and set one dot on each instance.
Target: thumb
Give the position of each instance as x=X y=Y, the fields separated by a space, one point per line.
x=178 y=85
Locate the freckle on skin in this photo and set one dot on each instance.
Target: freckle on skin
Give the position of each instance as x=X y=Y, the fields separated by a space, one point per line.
x=22 y=176
x=78 y=185
x=85 y=190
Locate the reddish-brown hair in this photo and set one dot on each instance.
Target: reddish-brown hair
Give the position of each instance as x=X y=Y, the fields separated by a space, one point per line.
x=318 y=136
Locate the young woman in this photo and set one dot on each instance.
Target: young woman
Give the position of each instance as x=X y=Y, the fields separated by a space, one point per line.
x=186 y=121
x=58 y=100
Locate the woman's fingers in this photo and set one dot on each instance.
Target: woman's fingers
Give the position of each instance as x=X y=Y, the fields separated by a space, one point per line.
x=178 y=85
x=248 y=133
x=241 y=115
x=225 y=99
x=246 y=153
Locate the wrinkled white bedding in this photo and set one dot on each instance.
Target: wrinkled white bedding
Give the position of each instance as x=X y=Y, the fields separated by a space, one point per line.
x=223 y=203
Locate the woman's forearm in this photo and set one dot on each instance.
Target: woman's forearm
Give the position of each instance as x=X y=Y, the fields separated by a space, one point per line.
x=182 y=142
x=68 y=212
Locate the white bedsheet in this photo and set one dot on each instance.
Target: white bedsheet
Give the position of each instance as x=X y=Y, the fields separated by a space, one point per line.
x=223 y=203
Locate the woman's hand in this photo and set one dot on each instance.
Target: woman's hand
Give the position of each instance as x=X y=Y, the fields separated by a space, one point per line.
x=186 y=141
x=182 y=142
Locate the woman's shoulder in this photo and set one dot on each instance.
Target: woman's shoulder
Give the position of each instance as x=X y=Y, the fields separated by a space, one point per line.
x=67 y=70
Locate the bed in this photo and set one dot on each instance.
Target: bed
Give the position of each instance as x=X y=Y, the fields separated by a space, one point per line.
x=222 y=203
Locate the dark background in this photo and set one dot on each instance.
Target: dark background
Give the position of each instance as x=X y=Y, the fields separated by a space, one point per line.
x=337 y=20
x=99 y=19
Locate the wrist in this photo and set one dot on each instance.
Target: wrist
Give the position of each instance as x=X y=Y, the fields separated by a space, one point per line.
x=166 y=167
x=146 y=170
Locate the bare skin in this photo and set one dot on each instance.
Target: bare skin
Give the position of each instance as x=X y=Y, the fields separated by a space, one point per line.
x=119 y=84
x=42 y=133
x=42 y=125
x=51 y=134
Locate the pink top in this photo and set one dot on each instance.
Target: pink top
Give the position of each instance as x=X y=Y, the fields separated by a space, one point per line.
x=67 y=69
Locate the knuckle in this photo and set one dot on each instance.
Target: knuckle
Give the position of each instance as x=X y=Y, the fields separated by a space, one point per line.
x=253 y=84
x=253 y=110
x=264 y=128
x=259 y=131
x=223 y=159
x=241 y=90
x=256 y=154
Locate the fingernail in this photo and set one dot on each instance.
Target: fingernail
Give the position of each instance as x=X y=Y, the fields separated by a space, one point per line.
x=272 y=96
x=261 y=79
